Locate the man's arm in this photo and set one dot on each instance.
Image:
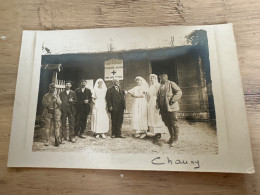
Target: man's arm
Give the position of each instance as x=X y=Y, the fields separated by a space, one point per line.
x=177 y=93
x=76 y=92
x=123 y=91
x=158 y=99
x=58 y=100
x=60 y=96
x=109 y=99
x=89 y=96
x=45 y=102
x=74 y=98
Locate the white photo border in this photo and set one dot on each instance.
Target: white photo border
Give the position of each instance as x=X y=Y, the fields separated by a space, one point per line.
x=234 y=150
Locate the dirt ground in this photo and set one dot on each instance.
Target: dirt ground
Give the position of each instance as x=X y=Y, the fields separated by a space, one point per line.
x=194 y=138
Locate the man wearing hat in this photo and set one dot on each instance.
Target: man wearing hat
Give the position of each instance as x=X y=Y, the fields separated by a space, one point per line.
x=68 y=110
x=51 y=114
x=83 y=108
x=167 y=101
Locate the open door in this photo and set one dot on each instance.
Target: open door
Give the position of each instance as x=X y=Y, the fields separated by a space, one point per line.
x=167 y=65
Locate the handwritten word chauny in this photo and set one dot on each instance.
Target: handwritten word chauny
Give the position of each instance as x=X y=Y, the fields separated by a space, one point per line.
x=160 y=161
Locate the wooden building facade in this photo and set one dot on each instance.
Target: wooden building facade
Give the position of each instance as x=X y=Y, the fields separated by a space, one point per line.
x=186 y=65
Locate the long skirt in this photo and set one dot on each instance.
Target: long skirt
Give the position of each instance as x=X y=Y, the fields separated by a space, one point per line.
x=139 y=115
x=99 y=120
x=155 y=122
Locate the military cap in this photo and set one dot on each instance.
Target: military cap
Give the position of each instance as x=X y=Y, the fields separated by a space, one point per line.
x=52 y=85
x=163 y=72
x=68 y=82
x=83 y=80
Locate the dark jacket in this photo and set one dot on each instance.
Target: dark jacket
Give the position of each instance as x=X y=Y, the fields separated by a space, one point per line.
x=67 y=106
x=115 y=99
x=171 y=93
x=86 y=95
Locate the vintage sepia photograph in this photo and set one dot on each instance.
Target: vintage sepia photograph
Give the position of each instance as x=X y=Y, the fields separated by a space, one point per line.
x=137 y=98
x=135 y=101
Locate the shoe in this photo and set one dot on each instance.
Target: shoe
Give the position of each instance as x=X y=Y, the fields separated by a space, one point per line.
x=97 y=136
x=62 y=141
x=120 y=136
x=170 y=141
x=137 y=135
x=46 y=144
x=73 y=139
x=157 y=136
x=66 y=139
x=143 y=136
x=58 y=142
x=103 y=136
x=113 y=136
x=82 y=136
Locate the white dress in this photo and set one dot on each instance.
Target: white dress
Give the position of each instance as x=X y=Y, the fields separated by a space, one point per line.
x=139 y=110
x=100 y=120
x=154 y=118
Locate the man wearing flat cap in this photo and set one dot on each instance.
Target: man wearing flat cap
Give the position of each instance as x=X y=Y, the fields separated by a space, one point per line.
x=167 y=101
x=68 y=110
x=83 y=108
x=52 y=114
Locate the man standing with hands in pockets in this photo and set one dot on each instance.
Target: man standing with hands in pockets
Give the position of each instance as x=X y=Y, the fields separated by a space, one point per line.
x=167 y=101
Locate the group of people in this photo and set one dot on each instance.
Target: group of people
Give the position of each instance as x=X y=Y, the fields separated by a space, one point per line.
x=154 y=105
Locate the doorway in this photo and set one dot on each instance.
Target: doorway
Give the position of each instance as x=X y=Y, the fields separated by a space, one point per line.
x=168 y=66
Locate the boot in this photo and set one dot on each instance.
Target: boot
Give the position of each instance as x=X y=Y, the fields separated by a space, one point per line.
x=47 y=137
x=58 y=139
x=176 y=133
x=64 y=135
x=171 y=131
x=157 y=136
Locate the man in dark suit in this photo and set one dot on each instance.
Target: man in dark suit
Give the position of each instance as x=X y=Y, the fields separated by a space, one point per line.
x=68 y=110
x=83 y=108
x=115 y=98
x=167 y=101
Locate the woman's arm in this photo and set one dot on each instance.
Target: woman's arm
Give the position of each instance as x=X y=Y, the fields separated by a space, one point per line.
x=93 y=100
x=94 y=97
x=134 y=93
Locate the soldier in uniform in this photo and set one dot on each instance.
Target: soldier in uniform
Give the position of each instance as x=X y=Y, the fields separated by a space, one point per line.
x=84 y=97
x=52 y=114
x=167 y=101
x=68 y=110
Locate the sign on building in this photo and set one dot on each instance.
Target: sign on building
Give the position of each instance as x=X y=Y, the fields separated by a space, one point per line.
x=113 y=69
